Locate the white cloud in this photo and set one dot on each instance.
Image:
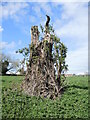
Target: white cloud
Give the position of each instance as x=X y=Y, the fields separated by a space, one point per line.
x=6 y=45
x=12 y=9
x=10 y=49
x=73 y=28
x=37 y=10
x=78 y=60
x=19 y=42
x=9 y=46
x=1 y=29
x=45 y=1
x=74 y=21
x=32 y=18
x=46 y=8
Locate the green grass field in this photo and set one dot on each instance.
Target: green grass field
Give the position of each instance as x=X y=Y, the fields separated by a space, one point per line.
x=72 y=104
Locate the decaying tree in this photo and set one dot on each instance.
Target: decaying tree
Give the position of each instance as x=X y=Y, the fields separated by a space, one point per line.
x=46 y=63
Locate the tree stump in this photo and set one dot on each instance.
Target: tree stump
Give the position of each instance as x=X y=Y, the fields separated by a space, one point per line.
x=40 y=76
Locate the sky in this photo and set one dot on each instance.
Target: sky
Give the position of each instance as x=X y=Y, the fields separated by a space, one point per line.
x=69 y=19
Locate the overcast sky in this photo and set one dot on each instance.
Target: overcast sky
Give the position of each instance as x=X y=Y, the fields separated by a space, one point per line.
x=70 y=21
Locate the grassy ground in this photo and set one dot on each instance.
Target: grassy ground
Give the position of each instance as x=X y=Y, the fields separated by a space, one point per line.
x=72 y=104
x=7 y=81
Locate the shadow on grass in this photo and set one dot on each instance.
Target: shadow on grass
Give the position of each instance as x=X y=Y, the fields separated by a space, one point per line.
x=74 y=86
x=65 y=88
x=3 y=80
x=78 y=87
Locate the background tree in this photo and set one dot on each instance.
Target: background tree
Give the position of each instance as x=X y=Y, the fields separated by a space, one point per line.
x=21 y=68
x=23 y=63
x=7 y=64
